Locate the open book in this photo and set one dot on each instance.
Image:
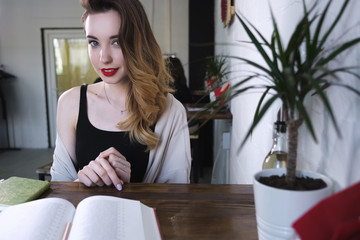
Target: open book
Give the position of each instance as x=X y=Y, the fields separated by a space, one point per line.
x=96 y=217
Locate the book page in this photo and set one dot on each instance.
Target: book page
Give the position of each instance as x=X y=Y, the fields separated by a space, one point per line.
x=106 y=217
x=3 y=207
x=39 y=219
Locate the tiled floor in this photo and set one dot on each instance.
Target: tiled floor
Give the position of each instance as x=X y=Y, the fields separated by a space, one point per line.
x=24 y=162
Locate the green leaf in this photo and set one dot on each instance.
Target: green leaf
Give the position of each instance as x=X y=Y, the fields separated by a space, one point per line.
x=303 y=113
x=258 y=46
x=325 y=100
x=260 y=114
x=339 y=50
x=336 y=20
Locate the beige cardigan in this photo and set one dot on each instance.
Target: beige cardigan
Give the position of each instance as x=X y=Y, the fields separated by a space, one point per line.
x=169 y=161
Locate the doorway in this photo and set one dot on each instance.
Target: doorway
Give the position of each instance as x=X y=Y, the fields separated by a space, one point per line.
x=66 y=64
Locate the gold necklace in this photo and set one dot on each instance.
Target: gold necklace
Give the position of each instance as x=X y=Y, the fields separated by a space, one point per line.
x=107 y=98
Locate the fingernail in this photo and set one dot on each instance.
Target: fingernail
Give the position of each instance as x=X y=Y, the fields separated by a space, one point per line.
x=119 y=187
x=96 y=159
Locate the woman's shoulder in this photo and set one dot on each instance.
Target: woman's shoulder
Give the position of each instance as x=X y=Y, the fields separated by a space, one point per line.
x=67 y=112
x=174 y=104
x=70 y=95
x=173 y=116
x=69 y=100
x=174 y=109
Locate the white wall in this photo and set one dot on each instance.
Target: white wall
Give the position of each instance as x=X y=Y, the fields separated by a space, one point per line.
x=170 y=20
x=335 y=157
x=21 y=55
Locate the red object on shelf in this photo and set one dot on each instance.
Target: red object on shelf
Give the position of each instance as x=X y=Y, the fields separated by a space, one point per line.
x=223 y=10
x=219 y=91
x=210 y=82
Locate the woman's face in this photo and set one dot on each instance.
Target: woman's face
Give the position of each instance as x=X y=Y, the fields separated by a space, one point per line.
x=104 y=50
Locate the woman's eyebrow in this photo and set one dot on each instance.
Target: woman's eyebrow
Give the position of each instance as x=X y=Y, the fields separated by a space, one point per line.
x=112 y=37
x=89 y=36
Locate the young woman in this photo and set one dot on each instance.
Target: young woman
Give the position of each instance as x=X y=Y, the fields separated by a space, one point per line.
x=128 y=127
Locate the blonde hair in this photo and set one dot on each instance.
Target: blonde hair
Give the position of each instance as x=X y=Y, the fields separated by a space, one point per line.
x=147 y=72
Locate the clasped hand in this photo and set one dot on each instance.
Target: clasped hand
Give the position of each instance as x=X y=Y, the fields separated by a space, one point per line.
x=110 y=167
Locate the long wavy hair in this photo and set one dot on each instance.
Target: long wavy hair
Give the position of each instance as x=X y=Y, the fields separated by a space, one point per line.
x=147 y=72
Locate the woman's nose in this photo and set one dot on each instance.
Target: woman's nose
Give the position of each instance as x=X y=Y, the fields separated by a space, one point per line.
x=105 y=55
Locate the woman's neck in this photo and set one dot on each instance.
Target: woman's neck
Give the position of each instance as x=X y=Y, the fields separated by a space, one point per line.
x=116 y=94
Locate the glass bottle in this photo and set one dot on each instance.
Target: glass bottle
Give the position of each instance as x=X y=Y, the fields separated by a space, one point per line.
x=277 y=156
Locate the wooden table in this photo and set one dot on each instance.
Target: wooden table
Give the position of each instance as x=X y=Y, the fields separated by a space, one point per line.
x=185 y=211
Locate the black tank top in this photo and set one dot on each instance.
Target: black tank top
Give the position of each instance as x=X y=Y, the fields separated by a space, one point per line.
x=90 y=141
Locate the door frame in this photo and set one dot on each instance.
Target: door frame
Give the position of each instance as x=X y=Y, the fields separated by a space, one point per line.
x=47 y=36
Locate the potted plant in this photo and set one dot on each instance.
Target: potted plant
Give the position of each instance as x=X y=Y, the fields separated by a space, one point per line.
x=290 y=77
x=216 y=78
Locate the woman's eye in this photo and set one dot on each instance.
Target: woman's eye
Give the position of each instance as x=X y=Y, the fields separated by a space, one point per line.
x=93 y=43
x=116 y=43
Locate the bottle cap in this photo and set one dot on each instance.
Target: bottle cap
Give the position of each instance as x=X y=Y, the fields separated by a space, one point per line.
x=280 y=126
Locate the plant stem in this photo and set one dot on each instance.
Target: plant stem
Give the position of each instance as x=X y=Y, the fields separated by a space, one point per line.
x=293 y=129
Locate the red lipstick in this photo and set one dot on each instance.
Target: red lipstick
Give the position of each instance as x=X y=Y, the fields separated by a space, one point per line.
x=108 y=72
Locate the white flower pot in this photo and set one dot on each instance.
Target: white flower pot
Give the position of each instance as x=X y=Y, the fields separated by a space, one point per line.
x=277 y=209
